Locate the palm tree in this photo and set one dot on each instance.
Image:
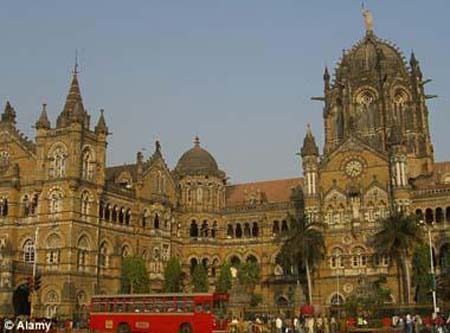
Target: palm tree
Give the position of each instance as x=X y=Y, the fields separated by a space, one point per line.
x=304 y=247
x=397 y=237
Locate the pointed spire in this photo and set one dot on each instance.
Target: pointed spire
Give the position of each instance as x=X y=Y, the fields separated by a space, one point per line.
x=309 y=147
x=73 y=98
x=326 y=75
x=415 y=66
x=9 y=115
x=101 y=124
x=43 y=121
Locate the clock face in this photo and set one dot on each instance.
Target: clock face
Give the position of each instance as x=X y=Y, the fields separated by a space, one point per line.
x=353 y=168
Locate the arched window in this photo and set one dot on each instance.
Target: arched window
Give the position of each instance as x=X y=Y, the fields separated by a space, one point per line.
x=251 y=258
x=447 y=214
x=235 y=261
x=336 y=259
x=114 y=213
x=156 y=221
x=284 y=226
x=381 y=260
x=51 y=304
x=85 y=203
x=359 y=258
x=214 y=230
x=82 y=253
x=255 y=230
x=121 y=215
x=336 y=300
x=26 y=205
x=125 y=251
x=4 y=206
x=238 y=231
x=127 y=216
x=108 y=212
x=58 y=162
x=192 y=264
x=400 y=100
x=56 y=202
x=419 y=214
x=429 y=218
x=101 y=210
x=53 y=250
x=34 y=204
x=204 y=229
x=439 y=215
x=205 y=263
x=145 y=217
x=88 y=164
x=103 y=257
x=230 y=231
x=276 y=228
x=247 y=231
x=193 y=231
x=28 y=251
x=214 y=267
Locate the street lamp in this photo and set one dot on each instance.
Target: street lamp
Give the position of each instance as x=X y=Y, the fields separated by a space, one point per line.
x=433 y=276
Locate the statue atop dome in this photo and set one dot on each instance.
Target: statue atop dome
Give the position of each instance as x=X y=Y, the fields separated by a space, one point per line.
x=368 y=19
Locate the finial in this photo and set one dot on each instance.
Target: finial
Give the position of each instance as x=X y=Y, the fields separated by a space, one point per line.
x=75 y=67
x=157 y=146
x=197 y=141
x=308 y=129
x=368 y=19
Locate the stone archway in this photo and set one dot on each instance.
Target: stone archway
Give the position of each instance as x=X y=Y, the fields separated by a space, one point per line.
x=21 y=300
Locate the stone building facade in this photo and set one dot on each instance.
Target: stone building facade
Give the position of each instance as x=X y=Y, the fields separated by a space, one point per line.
x=71 y=217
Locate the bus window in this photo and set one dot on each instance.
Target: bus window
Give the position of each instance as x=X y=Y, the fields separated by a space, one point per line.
x=198 y=307
x=110 y=307
x=128 y=306
x=180 y=304
x=119 y=307
x=220 y=308
x=188 y=306
x=159 y=307
x=207 y=307
x=139 y=307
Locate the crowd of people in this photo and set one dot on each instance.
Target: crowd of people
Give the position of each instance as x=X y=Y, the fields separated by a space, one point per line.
x=407 y=323
x=282 y=324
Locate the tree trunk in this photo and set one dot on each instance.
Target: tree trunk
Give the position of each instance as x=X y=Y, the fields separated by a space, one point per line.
x=401 y=293
x=408 y=279
x=308 y=278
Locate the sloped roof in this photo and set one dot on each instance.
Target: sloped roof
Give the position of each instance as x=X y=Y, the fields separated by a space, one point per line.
x=274 y=191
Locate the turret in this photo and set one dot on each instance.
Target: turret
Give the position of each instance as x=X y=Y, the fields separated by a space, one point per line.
x=398 y=159
x=43 y=122
x=101 y=127
x=310 y=153
x=9 y=115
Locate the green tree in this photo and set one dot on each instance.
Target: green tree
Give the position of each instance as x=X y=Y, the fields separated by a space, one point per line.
x=224 y=281
x=249 y=274
x=368 y=297
x=304 y=246
x=135 y=278
x=200 y=279
x=397 y=237
x=421 y=276
x=173 y=276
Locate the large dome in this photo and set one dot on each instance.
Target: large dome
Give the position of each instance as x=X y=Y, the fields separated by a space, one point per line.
x=369 y=53
x=198 y=161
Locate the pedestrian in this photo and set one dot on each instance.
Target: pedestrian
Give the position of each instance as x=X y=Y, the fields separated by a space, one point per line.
x=333 y=325
x=409 y=323
x=279 y=324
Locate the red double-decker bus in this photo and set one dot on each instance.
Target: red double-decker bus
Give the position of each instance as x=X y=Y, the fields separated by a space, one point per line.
x=159 y=313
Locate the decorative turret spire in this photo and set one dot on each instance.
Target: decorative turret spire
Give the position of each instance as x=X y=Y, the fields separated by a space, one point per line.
x=309 y=144
x=197 y=141
x=326 y=79
x=43 y=121
x=415 y=66
x=9 y=115
x=101 y=124
x=73 y=103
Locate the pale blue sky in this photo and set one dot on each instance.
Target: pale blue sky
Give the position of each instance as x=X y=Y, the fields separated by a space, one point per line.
x=237 y=72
